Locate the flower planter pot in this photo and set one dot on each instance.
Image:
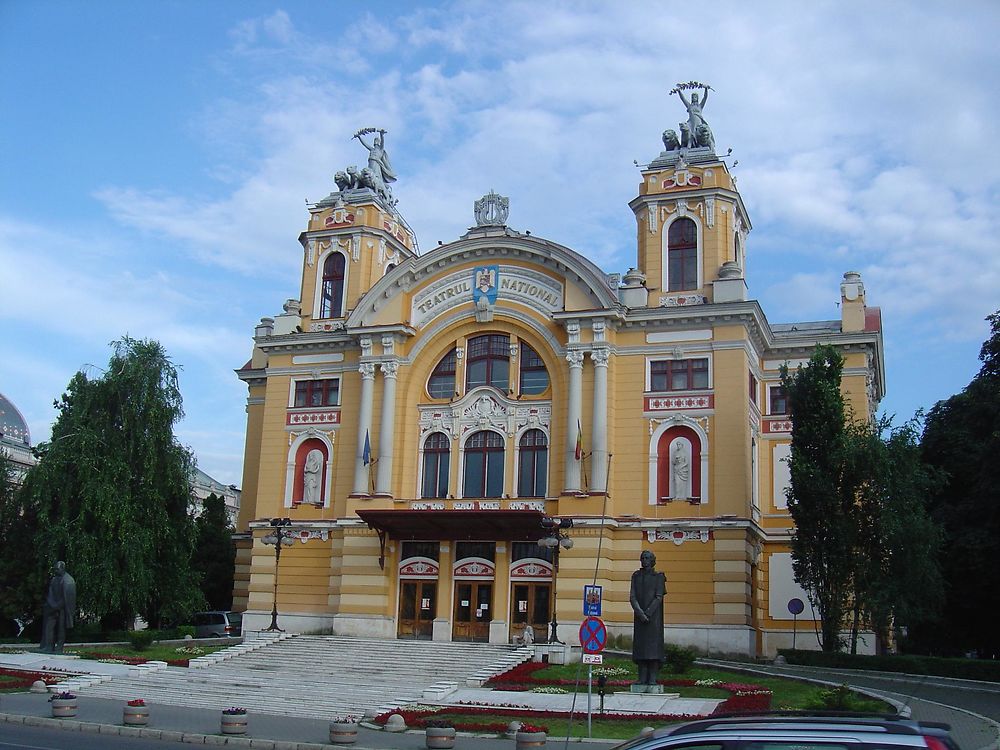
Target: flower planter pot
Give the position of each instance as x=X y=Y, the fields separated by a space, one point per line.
x=440 y=738
x=233 y=724
x=529 y=740
x=64 y=708
x=343 y=733
x=135 y=716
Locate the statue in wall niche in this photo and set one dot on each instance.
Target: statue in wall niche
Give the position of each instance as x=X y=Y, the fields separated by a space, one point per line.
x=58 y=609
x=680 y=471
x=649 y=586
x=312 y=475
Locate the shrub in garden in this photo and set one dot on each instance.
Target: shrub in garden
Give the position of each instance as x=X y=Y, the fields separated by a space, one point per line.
x=678 y=658
x=839 y=698
x=140 y=640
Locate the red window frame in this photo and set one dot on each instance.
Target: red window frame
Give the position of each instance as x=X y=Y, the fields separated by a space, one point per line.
x=778 y=400
x=678 y=374
x=532 y=363
x=332 y=289
x=491 y=348
x=441 y=383
x=317 y=393
x=682 y=256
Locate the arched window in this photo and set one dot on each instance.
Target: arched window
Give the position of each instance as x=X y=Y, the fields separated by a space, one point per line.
x=682 y=256
x=332 y=298
x=442 y=380
x=534 y=376
x=484 y=456
x=532 y=464
x=488 y=362
x=437 y=455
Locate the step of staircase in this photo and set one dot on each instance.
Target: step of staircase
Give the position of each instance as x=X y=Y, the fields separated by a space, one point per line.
x=316 y=676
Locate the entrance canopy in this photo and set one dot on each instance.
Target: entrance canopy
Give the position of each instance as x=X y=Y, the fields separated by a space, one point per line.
x=444 y=525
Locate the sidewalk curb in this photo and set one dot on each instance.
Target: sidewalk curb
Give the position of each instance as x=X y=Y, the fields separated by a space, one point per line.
x=191 y=738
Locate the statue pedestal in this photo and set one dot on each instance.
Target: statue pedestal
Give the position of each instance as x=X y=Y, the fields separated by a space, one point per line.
x=51 y=655
x=650 y=689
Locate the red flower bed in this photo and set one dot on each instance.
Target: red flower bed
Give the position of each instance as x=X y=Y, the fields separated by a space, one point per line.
x=131 y=659
x=745 y=703
x=418 y=719
x=24 y=678
x=744 y=698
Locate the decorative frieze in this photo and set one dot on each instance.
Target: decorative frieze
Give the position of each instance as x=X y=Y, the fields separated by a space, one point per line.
x=327 y=325
x=682 y=300
x=774 y=426
x=340 y=217
x=526 y=505
x=676 y=403
x=304 y=535
x=475 y=567
x=531 y=569
x=679 y=536
x=299 y=417
x=423 y=568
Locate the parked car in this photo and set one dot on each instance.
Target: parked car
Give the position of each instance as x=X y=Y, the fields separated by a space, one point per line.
x=807 y=731
x=217 y=624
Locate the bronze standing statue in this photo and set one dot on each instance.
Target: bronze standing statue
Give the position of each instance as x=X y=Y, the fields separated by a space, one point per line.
x=649 y=586
x=58 y=609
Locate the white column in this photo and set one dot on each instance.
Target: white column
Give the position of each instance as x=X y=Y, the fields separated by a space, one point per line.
x=367 y=370
x=574 y=412
x=599 y=431
x=386 y=430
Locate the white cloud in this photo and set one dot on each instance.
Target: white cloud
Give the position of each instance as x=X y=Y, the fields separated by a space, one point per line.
x=864 y=146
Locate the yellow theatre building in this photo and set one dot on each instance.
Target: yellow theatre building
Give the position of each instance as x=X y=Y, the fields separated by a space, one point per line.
x=417 y=415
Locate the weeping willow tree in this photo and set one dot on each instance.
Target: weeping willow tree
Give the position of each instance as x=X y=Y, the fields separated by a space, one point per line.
x=112 y=490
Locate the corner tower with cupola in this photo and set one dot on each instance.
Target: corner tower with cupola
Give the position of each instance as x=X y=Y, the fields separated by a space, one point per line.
x=421 y=419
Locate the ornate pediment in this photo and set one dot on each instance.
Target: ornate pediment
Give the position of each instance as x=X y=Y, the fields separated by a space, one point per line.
x=484 y=408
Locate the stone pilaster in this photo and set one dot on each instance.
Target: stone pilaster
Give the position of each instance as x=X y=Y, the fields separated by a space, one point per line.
x=599 y=433
x=574 y=412
x=387 y=428
x=367 y=370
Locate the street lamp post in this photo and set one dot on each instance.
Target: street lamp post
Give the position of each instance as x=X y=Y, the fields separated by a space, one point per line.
x=557 y=540
x=279 y=536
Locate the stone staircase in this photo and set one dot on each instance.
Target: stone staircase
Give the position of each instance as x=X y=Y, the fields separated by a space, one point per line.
x=316 y=676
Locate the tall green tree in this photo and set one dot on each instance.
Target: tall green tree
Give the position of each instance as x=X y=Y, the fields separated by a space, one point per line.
x=864 y=546
x=215 y=554
x=20 y=580
x=112 y=490
x=962 y=439
x=896 y=574
x=822 y=543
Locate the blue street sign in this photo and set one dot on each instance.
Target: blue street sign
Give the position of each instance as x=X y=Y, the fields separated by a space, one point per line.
x=592 y=601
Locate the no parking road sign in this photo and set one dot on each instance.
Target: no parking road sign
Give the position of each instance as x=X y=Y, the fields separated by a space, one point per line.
x=593 y=635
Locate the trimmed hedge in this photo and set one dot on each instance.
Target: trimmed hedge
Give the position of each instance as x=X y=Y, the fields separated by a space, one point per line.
x=968 y=669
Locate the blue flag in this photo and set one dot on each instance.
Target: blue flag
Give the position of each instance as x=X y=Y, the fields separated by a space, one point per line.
x=367 y=455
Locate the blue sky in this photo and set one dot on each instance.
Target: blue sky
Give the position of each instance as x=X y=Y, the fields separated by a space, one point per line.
x=155 y=160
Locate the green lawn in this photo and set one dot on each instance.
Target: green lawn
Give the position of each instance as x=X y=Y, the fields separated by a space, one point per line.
x=790 y=694
x=152 y=653
x=787 y=694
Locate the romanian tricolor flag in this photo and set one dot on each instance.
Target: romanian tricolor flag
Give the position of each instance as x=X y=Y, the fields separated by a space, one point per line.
x=579 y=441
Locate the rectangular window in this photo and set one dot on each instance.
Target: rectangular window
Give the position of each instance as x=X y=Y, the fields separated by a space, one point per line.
x=678 y=375
x=779 y=400
x=315 y=393
x=753 y=389
x=420 y=549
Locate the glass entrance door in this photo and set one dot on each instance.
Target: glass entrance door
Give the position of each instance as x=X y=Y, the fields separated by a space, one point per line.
x=417 y=608
x=531 y=603
x=473 y=611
